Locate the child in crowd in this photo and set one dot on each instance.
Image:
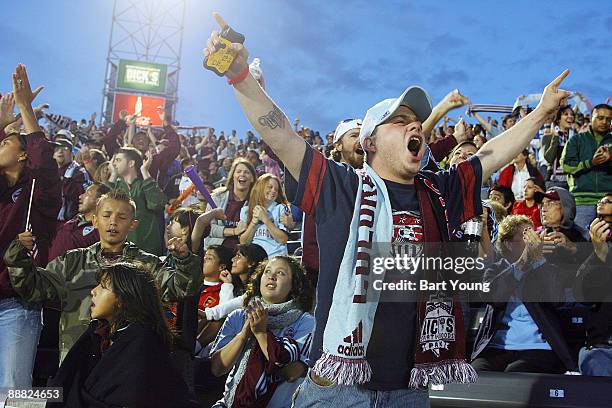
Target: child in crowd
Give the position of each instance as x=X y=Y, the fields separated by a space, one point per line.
x=123 y=359
x=262 y=214
x=244 y=264
x=271 y=332
x=217 y=259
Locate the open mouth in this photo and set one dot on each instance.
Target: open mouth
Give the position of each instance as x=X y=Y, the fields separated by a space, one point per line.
x=359 y=151
x=414 y=145
x=271 y=286
x=112 y=231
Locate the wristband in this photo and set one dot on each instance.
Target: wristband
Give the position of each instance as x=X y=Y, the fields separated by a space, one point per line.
x=239 y=78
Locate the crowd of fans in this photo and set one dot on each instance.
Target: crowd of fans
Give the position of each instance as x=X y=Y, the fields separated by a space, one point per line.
x=103 y=223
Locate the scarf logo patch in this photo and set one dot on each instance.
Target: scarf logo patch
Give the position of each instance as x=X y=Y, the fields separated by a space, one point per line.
x=354 y=346
x=438 y=329
x=87 y=230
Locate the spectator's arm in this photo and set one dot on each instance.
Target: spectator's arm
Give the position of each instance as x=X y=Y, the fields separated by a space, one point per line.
x=550 y=144
x=223 y=309
x=281 y=351
x=179 y=282
x=163 y=160
x=442 y=147
x=225 y=353
x=503 y=148
x=451 y=101
x=261 y=111
x=35 y=284
x=131 y=131
x=226 y=293
x=486 y=125
x=110 y=139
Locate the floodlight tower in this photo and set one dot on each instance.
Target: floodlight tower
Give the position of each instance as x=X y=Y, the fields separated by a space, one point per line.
x=150 y=31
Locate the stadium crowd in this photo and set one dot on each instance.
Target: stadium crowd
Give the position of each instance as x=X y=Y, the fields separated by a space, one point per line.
x=156 y=288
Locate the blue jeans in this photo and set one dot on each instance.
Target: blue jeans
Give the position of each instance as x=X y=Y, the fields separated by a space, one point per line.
x=310 y=394
x=585 y=214
x=20 y=327
x=595 y=361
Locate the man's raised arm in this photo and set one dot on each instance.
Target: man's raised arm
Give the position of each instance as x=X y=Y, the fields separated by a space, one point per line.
x=265 y=116
x=501 y=150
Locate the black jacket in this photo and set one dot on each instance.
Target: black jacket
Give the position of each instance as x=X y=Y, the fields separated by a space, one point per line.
x=541 y=284
x=593 y=283
x=135 y=371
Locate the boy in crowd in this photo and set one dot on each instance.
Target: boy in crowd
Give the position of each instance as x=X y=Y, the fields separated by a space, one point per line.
x=70 y=277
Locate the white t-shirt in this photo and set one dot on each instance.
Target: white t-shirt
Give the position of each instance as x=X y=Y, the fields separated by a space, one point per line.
x=518 y=181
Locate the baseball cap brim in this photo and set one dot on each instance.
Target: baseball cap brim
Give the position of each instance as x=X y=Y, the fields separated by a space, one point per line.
x=551 y=195
x=413 y=97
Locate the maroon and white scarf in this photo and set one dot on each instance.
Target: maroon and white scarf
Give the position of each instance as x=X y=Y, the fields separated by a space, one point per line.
x=440 y=355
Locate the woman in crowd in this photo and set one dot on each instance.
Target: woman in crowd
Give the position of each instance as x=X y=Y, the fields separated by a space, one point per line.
x=267 y=203
x=123 y=359
x=553 y=141
x=230 y=199
x=102 y=172
x=263 y=345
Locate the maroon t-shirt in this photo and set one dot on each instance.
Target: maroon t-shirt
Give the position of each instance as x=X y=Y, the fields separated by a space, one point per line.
x=232 y=212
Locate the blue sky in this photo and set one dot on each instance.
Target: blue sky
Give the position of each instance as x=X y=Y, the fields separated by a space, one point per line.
x=328 y=60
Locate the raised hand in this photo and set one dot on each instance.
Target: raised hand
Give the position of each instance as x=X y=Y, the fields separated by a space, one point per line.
x=163 y=115
x=258 y=318
x=178 y=248
x=554 y=97
x=240 y=53
x=453 y=100
x=146 y=165
x=225 y=276
x=240 y=228
x=7 y=114
x=600 y=230
x=22 y=89
x=533 y=248
x=27 y=239
x=460 y=134
x=38 y=111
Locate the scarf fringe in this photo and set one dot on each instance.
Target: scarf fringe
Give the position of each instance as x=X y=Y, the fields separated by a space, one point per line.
x=450 y=371
x=345 y=371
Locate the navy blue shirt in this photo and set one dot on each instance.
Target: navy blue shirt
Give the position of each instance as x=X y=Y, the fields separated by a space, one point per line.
x=327 y=190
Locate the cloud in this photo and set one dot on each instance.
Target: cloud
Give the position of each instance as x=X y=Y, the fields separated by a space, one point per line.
x=445 y=42
x=445 y=77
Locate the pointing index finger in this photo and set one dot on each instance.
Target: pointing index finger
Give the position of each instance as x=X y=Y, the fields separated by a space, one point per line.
x=557 y=81
x=220 y=20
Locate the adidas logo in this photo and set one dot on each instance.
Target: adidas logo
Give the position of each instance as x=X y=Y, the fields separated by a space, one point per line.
x=354 y=348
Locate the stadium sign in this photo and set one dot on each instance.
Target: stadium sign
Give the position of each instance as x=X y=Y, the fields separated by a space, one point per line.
x=144 y=106
x=141 y=76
